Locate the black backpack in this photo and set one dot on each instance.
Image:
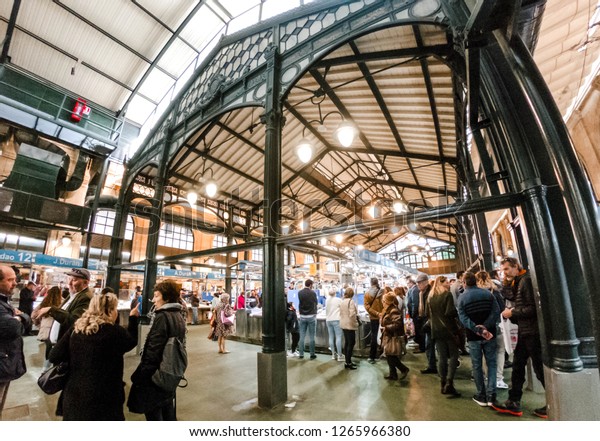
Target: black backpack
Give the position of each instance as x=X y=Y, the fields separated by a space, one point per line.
x=171 y=371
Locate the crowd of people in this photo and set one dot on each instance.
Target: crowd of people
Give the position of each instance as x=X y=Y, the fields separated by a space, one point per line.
x=444 y=317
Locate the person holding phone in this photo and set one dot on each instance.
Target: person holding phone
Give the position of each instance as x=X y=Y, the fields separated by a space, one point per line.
x=479 y=313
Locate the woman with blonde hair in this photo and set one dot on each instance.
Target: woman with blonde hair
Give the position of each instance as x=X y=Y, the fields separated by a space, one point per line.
x=349 y=324
x=392 y=337
x=53 y=298
x=442 y=315
x=223 y=330
x=94 y=348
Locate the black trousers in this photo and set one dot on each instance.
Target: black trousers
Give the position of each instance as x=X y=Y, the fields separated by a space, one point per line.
x=418 y=323
x=528 y=346
x=394 y=362
x=374 y=344
x=165 y=412
x=349 y=341
x=295 y=339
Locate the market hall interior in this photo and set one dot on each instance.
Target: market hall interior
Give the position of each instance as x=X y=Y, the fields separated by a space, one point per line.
x=331 y=140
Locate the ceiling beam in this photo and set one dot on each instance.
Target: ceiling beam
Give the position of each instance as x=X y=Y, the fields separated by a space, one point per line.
x=440 y=50
x=395 y=153
x=421 y=188
x=432 y=104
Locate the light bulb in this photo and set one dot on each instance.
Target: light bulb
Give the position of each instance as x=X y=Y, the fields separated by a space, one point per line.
x=66 y=240
x=339 y=238
x=360 y=247
x=192 y=198
x=399 y=206
x=211 y=261
x=211 y=189
x=345 y=133
x=304 y=151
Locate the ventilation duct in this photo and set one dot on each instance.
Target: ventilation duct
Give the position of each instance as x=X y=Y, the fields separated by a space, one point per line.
x=38 y=171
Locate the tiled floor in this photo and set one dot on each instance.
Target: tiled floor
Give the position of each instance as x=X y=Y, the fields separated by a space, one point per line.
x=222 y=387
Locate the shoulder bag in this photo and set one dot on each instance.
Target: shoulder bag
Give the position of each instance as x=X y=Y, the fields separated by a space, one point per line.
x=54 y=379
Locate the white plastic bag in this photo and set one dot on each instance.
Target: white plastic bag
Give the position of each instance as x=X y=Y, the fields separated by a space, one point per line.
x=510 y=332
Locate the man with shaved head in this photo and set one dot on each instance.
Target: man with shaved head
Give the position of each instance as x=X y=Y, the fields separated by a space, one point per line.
x=12 y=326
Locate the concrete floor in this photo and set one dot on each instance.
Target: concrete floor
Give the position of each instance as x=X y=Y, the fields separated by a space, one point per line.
x=222 y=387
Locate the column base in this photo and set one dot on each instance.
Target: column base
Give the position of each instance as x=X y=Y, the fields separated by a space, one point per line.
x=272 y=379
x=573 y=396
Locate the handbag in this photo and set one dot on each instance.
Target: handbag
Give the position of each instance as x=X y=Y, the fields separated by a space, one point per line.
x=55 y=378
x=392 y=345
x=227 y=319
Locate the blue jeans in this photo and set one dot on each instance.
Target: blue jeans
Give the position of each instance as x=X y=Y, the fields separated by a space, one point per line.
x=335 y=333
x=307 y=323
x=479 y=349
x=194 y=315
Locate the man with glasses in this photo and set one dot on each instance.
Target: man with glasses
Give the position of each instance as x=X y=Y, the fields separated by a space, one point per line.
x=529 y=344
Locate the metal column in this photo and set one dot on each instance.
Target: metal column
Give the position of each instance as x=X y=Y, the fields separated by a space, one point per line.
x=272 y=362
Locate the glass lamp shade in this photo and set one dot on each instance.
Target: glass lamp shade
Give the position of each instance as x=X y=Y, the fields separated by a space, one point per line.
x=192 y=198
x=339 y=238
x=66 y=240
x=211 y=189
x=304 y=150
x=345 y=133
x=399 y=206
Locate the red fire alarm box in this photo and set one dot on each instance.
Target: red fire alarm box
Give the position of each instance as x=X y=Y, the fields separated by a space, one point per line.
x=80 y=109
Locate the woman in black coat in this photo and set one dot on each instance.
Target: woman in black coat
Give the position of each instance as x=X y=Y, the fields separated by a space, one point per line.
x=94 y=349
x=145 y=397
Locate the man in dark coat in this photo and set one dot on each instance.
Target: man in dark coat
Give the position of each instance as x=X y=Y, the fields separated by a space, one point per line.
x=307 y=307
x=26 y=298
x=12 y=325
x=529 y=345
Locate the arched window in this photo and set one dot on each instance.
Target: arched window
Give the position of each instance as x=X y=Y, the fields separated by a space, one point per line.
x=174 y=236
x=105 y=223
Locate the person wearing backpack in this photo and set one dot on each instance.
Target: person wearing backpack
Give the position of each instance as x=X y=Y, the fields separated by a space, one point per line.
x=156 y=403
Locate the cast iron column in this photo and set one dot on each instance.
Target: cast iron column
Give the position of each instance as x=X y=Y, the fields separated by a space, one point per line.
x=115 y=258
x=229 y=235
x=88 y=236
x=272 y=362
x=154 y=227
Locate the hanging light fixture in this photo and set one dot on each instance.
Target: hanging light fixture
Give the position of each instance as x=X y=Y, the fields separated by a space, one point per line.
x=210 y=185
x=339 y=238
x=66 y=240
x=304 y=150
x=344 y=133
x=192 y=198
x=399 y=206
